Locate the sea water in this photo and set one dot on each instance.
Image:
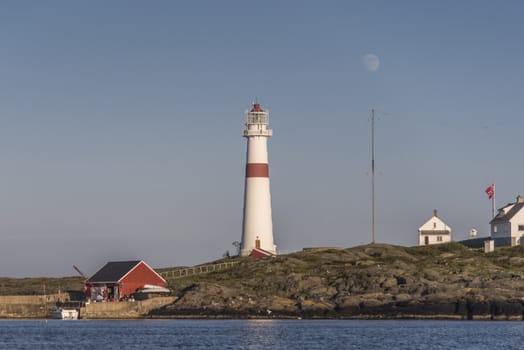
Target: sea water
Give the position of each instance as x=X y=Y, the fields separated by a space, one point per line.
x=260 y=334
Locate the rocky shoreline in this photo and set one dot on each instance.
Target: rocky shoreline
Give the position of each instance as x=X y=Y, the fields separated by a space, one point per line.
x=464 y=309
x=368 y=282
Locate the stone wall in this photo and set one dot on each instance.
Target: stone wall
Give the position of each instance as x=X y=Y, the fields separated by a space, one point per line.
x=125 y=309
x=28 y=306
x=34 y=306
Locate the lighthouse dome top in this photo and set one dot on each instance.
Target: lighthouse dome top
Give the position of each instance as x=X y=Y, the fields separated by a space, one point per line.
x=256 y=108
x=257 y=122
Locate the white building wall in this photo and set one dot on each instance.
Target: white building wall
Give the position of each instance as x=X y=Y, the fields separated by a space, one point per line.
x=433 y=238
x=502 y=229
x=508 y=228
x=516 y=221
x=434 y=223
x=434 y=231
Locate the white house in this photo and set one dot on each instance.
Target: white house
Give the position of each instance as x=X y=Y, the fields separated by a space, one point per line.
x=434 y=231
x=509 y=223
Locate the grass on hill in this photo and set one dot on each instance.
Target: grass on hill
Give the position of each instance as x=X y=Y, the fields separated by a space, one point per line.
x=35 y=286
x=417 y=261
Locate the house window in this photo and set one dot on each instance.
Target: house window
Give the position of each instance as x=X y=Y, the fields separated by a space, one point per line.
x=521 y=227
x=439 y=238
x=434 y=225
x=495 y=228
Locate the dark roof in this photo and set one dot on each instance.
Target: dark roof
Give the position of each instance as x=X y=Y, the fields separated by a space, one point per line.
x=113 y=271
x=511 y=213
x=262 y=251
x=256 y=108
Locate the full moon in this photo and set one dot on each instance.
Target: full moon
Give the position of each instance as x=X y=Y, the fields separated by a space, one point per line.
x=371 y=62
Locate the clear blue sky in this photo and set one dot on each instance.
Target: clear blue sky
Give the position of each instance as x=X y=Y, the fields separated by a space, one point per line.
x=120 y=134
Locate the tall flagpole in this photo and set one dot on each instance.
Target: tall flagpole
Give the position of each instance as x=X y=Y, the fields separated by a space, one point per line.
x=372 y=176
x=493 y=202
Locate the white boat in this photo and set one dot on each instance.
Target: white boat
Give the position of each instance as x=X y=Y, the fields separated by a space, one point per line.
x=150 y=288
x=61 y=313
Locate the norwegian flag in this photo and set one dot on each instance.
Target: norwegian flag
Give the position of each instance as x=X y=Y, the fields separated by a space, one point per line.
x=490 y=191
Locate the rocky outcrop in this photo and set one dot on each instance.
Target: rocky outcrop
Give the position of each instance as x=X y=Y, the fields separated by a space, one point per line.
x=374 y=281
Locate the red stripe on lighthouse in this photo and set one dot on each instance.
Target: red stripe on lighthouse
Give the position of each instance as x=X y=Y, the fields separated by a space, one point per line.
x=257 y=170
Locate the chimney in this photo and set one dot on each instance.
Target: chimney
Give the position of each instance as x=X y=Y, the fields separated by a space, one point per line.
x=435 y=212
x=519 y=199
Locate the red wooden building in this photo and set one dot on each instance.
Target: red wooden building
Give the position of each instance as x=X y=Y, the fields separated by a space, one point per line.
x=118 y=280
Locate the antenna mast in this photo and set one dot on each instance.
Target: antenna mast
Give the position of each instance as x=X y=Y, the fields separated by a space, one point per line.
x=372 y=176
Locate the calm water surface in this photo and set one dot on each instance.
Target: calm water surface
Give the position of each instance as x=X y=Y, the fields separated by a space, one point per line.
x=264 y=334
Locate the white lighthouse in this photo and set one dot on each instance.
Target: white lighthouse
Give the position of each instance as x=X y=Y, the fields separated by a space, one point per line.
x=257 y=230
